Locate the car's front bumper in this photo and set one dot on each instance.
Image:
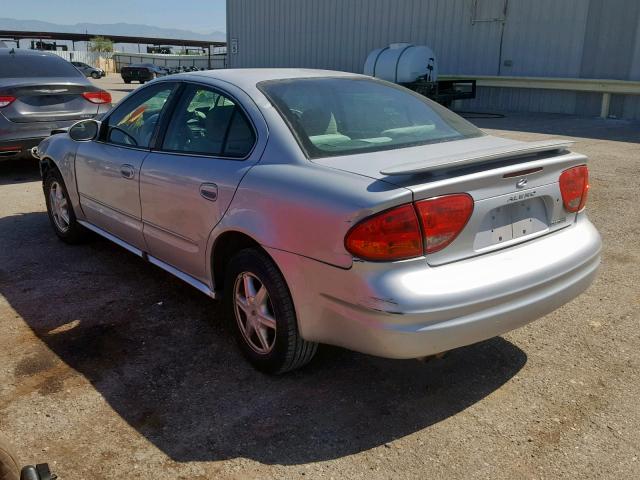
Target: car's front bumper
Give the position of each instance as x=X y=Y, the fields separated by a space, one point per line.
x=409 y=309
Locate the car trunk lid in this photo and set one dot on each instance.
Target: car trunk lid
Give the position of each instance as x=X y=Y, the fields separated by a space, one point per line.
x=47 y=100
x=514 y=186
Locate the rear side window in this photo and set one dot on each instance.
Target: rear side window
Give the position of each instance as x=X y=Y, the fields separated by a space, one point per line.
x=38 y=66
x=208 y=123
x=341 y=116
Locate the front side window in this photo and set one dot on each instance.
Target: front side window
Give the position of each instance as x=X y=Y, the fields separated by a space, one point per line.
x=341 y=116
x=133 y=123
x=209 y=123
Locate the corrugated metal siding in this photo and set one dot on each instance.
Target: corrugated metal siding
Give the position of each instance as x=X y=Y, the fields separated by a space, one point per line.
x=565 y=38
x=339 y=34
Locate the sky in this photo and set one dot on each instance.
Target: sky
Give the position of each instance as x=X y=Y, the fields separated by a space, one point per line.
x=202 y=16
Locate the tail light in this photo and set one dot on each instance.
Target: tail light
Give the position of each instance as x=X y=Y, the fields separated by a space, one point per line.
x=6 y=100
x=98 y=97
x=443 y=218
x=410 y=230
x=390 y=235
x=574 y=187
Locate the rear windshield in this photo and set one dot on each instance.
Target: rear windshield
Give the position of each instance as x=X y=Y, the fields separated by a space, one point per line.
x=341 y=116
x=21 y=66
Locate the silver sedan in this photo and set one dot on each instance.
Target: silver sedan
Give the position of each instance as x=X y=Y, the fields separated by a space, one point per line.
x=327 y=207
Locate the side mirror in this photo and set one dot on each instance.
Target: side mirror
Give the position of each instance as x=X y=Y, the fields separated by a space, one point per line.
x=85 y=130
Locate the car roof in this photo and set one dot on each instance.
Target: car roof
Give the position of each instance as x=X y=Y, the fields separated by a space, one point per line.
x=248 y=78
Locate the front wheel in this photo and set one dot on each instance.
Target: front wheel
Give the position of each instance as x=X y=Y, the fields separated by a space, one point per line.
x=265 y=325
x=95 y=75
x=61 y=214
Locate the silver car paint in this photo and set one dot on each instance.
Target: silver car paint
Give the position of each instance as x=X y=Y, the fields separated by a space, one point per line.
x=299 y=211
x=177 y=218
x=407 y=309
x=108 y=199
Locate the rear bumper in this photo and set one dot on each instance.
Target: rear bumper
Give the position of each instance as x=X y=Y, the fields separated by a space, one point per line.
x=408 y=309
x=16 y=139
x=10 y=149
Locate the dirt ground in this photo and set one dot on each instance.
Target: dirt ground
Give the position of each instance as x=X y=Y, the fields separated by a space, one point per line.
x=112 y=369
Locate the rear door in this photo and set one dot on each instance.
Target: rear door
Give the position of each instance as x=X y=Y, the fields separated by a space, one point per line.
x=186 y=186
x=108 y=170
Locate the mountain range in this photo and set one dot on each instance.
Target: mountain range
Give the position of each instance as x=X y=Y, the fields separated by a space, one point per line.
x=111 y=28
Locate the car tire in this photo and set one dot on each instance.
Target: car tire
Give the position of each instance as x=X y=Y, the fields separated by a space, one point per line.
x=60 y=211
x=127 y=81
x=95 y=75
x=255 y=312
x=142 y=82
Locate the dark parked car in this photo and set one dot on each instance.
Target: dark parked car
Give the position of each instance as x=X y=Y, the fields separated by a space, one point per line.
x=88 y=70
x=142 y=72
x=40 y=92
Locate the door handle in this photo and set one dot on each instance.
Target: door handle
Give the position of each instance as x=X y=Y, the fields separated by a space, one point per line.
x=127 y=171
x=209 y=191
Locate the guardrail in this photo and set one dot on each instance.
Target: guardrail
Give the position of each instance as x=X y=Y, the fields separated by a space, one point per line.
x=606 y=87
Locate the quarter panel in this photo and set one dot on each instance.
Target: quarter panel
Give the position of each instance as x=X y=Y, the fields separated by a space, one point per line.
x=305 y=208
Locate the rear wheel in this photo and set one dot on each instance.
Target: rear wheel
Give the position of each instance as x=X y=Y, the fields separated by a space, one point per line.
x=127 y=81
x=61 y=214
x=265 y=325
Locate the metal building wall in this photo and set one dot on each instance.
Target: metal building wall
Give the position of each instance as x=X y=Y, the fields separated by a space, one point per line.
x=563 y=38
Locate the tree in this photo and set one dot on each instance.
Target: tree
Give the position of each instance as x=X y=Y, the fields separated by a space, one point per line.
x=101 y=44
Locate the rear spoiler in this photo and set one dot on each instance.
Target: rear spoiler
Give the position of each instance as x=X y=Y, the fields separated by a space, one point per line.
x=479 y=156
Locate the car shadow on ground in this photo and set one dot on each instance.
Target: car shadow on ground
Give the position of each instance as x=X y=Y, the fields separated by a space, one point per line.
x=157 y=352
x=18 y=171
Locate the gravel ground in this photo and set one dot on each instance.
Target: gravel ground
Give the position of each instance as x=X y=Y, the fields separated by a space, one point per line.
x=111 y=368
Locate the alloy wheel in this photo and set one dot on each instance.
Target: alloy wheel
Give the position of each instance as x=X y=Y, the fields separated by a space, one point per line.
x=254 y=313
x=59 y=206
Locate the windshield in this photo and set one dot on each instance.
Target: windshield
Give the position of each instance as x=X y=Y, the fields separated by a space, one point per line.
x=341 y=116
x=18 y=66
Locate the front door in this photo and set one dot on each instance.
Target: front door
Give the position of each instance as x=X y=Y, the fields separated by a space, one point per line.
x=187 y=185
x=108 y=169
